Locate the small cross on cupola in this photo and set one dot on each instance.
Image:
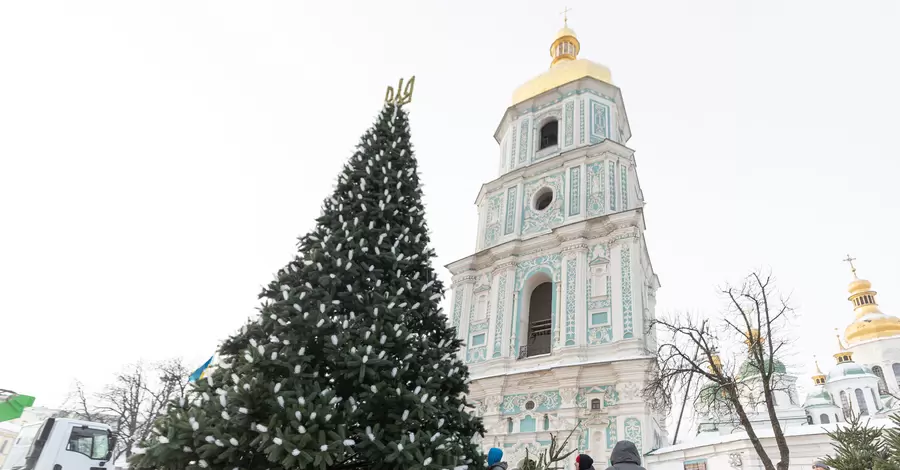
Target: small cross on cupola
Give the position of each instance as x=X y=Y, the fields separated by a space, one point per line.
x=565 y=46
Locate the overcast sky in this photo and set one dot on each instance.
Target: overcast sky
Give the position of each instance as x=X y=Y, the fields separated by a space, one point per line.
x=159 y=159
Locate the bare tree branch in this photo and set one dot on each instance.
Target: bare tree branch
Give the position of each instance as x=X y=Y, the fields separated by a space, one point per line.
x=733 y=390
x=133 y=401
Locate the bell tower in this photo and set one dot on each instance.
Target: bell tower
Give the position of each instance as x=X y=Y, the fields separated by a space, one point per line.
x=554 y=304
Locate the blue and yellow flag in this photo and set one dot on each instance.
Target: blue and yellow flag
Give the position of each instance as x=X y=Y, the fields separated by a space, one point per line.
x=201 y=372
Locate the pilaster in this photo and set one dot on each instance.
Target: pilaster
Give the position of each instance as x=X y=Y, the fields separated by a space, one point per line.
x=615 y=296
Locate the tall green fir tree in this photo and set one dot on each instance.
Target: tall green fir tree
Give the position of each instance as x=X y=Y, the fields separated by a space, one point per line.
x=351 y=363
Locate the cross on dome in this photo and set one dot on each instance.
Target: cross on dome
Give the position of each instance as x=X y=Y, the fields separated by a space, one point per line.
x=565 y=14
x=850 y=260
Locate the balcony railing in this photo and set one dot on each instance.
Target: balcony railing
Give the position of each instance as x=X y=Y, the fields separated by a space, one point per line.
x=539 y=340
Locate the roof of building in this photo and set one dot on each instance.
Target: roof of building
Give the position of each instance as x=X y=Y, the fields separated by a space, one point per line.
x=566 y=67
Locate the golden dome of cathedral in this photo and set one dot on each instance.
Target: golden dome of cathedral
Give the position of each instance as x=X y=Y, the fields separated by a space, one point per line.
x=871 y=322
x=564 y=68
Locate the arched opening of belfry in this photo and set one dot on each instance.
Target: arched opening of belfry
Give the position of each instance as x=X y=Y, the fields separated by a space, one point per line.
x=537 y=316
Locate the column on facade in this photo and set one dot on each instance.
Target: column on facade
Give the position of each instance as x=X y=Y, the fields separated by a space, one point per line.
x=581 y=320
x=466 y=288
x=615 y=291
x=503 y=297
x=560 y=319
x=482 y=221
x=638 y=284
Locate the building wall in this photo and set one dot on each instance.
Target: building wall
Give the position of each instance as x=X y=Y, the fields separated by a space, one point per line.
x=521 y=411
x=812 y=444
x=883 y=353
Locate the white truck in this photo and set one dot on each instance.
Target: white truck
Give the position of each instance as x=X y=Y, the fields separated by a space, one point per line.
x=62 y=444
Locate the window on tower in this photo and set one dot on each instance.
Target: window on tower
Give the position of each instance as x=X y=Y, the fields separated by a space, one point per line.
x=539 y=321
x=543 y=198
x=549 y=134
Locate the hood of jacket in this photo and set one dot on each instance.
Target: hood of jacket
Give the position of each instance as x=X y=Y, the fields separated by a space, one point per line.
x=625 y=452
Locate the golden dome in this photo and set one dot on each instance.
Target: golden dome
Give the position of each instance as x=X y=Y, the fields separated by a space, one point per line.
x=858 y=285
x=871 y=322
x=564 y=68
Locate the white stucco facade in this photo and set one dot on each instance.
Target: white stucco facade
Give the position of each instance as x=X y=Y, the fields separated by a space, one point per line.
x=554 y=304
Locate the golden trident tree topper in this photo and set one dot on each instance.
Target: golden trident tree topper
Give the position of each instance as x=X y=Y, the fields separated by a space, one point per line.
x=402 y=95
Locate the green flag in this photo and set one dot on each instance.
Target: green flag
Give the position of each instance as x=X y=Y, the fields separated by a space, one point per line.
x=13 y=406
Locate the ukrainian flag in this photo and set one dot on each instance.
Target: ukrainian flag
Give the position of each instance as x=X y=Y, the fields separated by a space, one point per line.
x=201 y=372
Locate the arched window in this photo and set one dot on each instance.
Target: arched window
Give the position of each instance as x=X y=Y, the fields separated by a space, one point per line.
x=539 y=319
x=824 y=419
x=549 y=134
x=809 y=419
x=882 y=384
x=861 y=402
x=875 y=399
x=596 y=404
x=896 y=368
x=845 y=404
x=546 y=423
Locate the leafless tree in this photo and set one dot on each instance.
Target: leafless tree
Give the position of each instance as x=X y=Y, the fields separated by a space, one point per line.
x=697 y=359
x=133 y=401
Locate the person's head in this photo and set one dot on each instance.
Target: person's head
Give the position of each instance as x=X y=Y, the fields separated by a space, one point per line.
x=494 y=455
x=625 y=452
x=819 y=465
x=583 y=462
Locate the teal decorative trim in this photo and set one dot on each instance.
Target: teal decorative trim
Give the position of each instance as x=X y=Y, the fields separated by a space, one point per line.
x=510 y=211
x=570 y=124
x=512 y=148
x=574 y=190
x=612 y=435
x=476 y=355
x=581 y=121
x=492 y=222
x=543 y=401
x=627 y=320
x=560 y=98
x=457 y=307
x=597 y=334
x=596 y=188
x=633 y=432
x=599 y=121
x=612 y=186
x=547 y=263
x=610 y=395
x=498 y=324
x=585 y=439
x=533 y=220
x=624 y=201
x=570 y=301
x=523 y=141
x=478 y=327
x=527 y=424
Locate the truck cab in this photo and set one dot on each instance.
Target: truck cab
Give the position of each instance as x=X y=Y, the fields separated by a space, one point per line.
x=61 y=444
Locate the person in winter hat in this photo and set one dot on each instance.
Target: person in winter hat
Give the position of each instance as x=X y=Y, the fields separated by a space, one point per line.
x=493 y=459
x=819 y=465
x=625 y=456
x=584 y=462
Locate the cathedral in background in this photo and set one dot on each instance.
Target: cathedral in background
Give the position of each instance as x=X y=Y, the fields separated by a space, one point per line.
x=554 y=303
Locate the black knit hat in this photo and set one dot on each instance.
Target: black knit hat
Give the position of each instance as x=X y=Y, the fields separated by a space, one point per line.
x=584 y=462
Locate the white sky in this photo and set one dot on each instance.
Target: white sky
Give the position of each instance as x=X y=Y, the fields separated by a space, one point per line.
x=159 y=159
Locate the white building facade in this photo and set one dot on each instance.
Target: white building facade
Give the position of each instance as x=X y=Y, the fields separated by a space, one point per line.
x=554 y=305
x=863 y=382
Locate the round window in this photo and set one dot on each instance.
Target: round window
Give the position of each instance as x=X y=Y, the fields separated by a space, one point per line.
x=543 y=198
x=529 y=405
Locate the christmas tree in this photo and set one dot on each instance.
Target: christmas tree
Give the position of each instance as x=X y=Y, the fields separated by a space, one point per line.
x=858 y=447
x=351 y=363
